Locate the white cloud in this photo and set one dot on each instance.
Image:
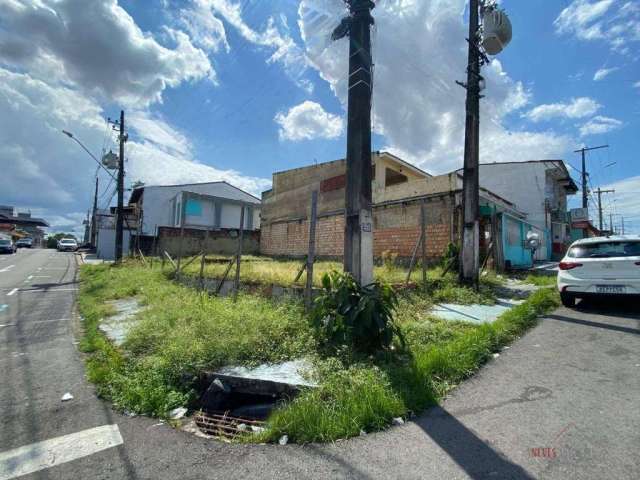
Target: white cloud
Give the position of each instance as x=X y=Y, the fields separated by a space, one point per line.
x=627 y=202
x=308 y=121
x=600 y=124
x=204 y=18
x=158 y=154
x=419 y=52
x=97 y=47
x=61 y=62
x=576 y=108
x=602 y=73
x=636 y=85
x=616 y=22
x=205 y=28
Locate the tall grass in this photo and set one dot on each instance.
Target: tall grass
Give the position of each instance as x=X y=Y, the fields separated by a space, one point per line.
x=179 y=333
x=182 y=332
x=376 y=393
x=283 y=272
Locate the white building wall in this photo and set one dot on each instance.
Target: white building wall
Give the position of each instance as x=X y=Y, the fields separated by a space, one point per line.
x=524 y=184
x=106 y=243
x=157 y=205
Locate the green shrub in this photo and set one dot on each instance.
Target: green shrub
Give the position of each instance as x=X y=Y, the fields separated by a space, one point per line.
x=451 y=254
x=359 y=317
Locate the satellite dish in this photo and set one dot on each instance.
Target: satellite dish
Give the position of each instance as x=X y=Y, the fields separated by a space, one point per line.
x=533 y=240
x=496 y=30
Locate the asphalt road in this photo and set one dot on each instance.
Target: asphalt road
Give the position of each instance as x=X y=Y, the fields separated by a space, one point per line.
x=561 y=403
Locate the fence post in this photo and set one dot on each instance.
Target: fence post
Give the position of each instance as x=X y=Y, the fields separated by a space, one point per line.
x=308 y=291
x=204 y=255
x=413 y=258
x=423 y=222
x=154 y=246
x=236 y=283
x=180 y=246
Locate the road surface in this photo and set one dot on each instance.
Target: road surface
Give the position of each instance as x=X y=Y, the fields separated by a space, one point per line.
x=561 y=403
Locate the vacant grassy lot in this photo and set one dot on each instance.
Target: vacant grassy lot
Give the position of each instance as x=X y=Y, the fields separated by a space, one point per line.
x=283 y=272
x=182 y=332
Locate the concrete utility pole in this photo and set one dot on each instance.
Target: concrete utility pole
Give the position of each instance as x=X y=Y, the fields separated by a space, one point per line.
x=358 y=238
x=119 y=212
x=611 y=223
x=600 y=192
x=94 y=229
x=585 y=175
x=470 y=254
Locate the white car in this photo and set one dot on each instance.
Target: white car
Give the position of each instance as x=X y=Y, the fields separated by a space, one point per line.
x=600 y=266
x=67 y=245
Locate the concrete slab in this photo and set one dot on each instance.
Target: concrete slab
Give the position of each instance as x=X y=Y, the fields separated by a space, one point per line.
x=291 y=373
x=116 y=327
x=474 y=313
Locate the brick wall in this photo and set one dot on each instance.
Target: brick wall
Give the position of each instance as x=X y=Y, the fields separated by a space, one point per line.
x=396 y=229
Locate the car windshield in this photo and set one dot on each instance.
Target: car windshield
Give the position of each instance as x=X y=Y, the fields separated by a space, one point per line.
x=605 y=250
x=4 y=242
x=66 y=241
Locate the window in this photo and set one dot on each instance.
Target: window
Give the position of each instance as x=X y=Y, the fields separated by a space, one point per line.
x=513 y=233
x=605 y=250
x=193 y=208
x=394 y=178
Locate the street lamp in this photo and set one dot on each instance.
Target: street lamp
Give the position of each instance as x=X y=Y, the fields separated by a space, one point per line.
x=72 y=137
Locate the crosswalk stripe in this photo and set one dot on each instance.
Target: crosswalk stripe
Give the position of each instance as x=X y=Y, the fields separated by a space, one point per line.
x=49 y=453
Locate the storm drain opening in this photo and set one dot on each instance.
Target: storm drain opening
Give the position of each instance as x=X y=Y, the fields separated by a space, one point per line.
x=238 y=400
x=226 y=426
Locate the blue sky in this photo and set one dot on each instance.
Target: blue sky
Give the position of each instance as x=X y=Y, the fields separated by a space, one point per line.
x=236 y=90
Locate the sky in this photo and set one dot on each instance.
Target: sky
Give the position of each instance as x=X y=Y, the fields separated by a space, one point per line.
x=238 y=89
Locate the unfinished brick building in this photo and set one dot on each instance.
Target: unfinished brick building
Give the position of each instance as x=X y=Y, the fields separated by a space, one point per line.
x=399 y=189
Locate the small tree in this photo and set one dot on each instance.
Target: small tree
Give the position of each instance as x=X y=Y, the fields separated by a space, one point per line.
x=360 y=317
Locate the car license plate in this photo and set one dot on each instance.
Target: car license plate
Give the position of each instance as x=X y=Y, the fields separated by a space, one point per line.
x=610 y=289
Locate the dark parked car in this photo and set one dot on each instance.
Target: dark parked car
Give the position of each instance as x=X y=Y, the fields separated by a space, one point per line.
x=24 y=243
x=7 y=246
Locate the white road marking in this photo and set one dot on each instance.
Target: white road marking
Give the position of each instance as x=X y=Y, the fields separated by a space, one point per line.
x=12 y=292
x=50 y=321
x=49 y=453
x=45 y=290
x=40 y=276
x=6 y=269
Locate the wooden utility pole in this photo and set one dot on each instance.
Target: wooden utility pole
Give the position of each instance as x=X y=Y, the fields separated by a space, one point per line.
x=423 y=233
x=600 y=192
x=94 y=227
x=470 y=252
x=120 y=212
x=358 y=238
x=236 y=283
x=308 y=291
